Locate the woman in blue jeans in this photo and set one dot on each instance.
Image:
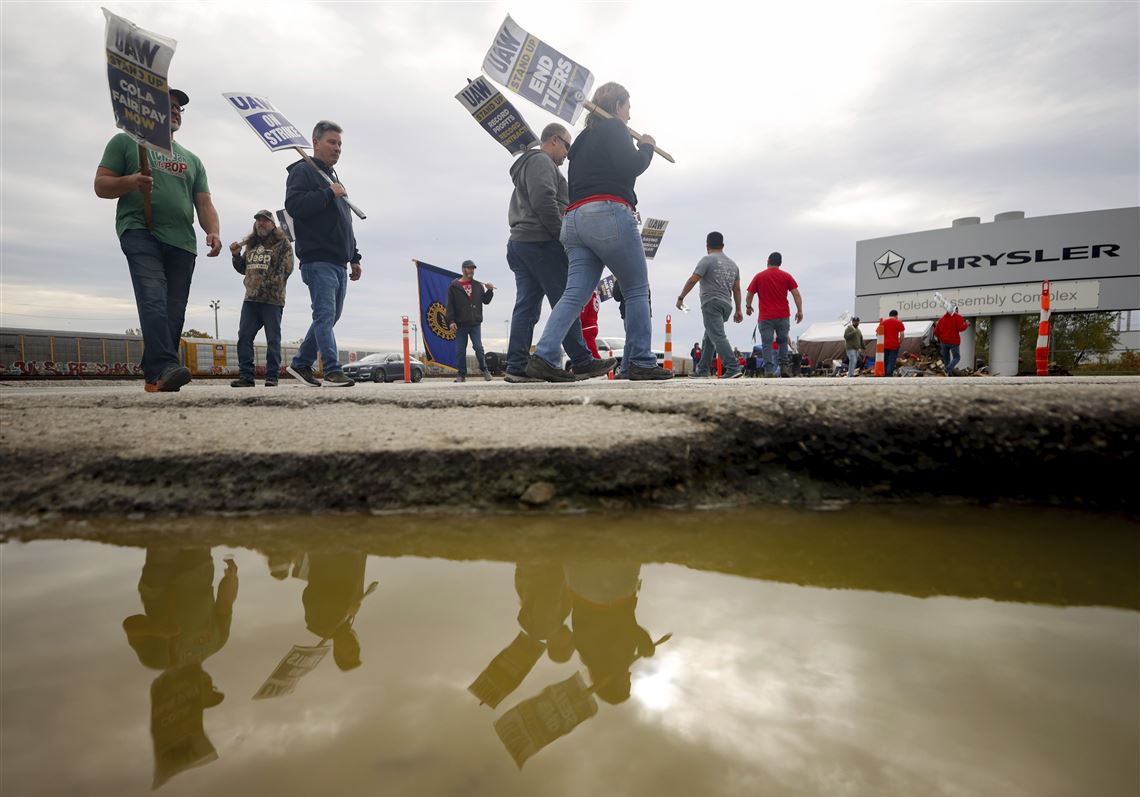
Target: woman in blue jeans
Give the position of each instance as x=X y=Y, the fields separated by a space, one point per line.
x=600 y=229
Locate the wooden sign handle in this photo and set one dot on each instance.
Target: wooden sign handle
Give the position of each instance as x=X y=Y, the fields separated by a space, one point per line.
x=589 y=106
x=144 y=168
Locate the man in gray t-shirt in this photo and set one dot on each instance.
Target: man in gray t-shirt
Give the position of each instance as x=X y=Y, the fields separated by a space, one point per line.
x=720 y=288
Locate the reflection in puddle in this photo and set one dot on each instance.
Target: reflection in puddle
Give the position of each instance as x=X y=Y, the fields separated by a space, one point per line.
x=800 y=655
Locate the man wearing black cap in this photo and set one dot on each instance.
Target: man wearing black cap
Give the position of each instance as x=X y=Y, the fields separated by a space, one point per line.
x=266 y=263
x=160 y=258
x=773 y=286
x=465 y=300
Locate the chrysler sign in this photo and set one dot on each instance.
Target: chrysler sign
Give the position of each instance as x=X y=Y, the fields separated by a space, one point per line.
x=890 y=264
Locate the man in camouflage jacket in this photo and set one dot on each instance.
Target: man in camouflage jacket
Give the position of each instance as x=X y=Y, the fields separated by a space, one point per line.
x=266 y=263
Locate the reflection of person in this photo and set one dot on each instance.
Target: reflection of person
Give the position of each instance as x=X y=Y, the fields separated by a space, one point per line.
x=600 y=229
x=892 y=331
x=184 y=623
x=605 y=627
x=719 y=277
x=266 y=263
x=773 y=286
x=949 y=331
x=160 y=259
x=853 y=340
x=465 y=299
x=322 y=224
x=332 y=599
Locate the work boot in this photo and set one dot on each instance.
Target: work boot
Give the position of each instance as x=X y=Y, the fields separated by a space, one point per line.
x=339 y=379
x=171 y=381
x=541 y=369
x=242 y=382
x=641 y=373
x=593 y=368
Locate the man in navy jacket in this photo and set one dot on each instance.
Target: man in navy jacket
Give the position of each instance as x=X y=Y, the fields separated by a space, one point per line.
x=326 y=248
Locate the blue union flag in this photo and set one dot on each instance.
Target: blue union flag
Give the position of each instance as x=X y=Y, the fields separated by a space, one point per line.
x=439 y=341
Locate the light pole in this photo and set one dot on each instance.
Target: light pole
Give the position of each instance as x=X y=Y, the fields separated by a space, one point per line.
x=416 y=336
x=216 y=303
x=507 y=325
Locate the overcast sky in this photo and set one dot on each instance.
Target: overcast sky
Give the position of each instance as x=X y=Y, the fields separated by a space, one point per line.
x=796 y=127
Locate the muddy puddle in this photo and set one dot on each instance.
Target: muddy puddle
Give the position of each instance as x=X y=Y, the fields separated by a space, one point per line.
x=900 y=651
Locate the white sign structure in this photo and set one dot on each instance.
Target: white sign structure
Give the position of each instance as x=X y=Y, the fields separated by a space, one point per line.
x=988 y=265
x=271 y=126
x=1022 y=299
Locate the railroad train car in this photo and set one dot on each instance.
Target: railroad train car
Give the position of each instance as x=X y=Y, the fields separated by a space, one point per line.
x=53 y=354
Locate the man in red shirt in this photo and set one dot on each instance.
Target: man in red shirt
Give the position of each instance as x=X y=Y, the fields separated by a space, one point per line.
x=773 y=287
x=892 y=331
x=949 y=331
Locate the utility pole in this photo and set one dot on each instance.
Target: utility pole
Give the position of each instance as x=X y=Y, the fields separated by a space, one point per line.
x=216 y=303
x=416 y=335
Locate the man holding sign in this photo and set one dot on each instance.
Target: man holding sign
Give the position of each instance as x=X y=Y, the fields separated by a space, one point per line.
x=160 y=255
x=326 y=247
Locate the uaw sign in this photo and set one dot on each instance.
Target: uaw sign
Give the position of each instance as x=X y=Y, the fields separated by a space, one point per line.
x=271 y=126
x=137 y=65
x=538 y=72
x=651 y=234
x=1100 y=247
x=496 y=115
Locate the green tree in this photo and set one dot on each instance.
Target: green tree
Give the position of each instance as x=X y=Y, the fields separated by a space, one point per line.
x=133 y=331
x=1074 y=338
x=196 y=333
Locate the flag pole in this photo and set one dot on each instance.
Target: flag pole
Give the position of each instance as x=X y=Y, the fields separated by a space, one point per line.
x=593 y=108
x=329 y=180
x=144 y=168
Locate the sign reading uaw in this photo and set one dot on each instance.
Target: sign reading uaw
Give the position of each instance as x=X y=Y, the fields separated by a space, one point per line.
x=137 y=64
x=1099 y=249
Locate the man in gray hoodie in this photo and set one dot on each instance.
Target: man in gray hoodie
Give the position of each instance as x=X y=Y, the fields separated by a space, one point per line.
x=536 y=256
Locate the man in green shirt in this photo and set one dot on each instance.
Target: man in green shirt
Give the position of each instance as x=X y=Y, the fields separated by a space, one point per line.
x=160 y=259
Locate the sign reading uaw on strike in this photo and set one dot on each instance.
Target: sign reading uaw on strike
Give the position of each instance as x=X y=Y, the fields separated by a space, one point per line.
x=496 y=115
x=137 y=65
x=274 y=130
x=538 y=72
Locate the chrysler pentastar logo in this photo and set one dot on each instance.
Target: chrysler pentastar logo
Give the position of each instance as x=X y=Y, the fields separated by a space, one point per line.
x=889 y=264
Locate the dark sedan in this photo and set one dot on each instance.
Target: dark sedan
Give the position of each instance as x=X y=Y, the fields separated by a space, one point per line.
x=383 y=368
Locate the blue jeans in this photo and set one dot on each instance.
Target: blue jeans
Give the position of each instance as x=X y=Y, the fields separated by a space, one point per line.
x=597 y=235
x=254 y=316
x=852 y=361
x=715 y=313
x=327 y=283
x=540 y=270
x=950 y=356
x=778 y=327
x=475 y=333
x=890 y=356
x=160 y=274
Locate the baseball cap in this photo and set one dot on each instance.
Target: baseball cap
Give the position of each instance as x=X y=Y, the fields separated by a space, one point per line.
x=180 y=96
x=263 y=214
x=468 y=264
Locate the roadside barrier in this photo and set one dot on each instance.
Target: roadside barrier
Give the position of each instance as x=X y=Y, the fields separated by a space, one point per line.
x=880 y=366
x=407 y=354
x=668 y=343
x=1043 y=332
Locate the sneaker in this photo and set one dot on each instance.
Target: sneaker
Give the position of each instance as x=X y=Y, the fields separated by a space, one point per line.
x=486 y=376
x=304 y=375
x=271 y=383
x=516 y=379
x=242 y=382
x=170 y=382
x=338 y=379
x=541 y=369
x=460 y=379
x=621 y=375
x=593 y=369
x=733 y=375
x=699 y=375
x=638 y=373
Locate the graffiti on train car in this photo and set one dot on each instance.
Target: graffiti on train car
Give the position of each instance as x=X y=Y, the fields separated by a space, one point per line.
x=60 y=368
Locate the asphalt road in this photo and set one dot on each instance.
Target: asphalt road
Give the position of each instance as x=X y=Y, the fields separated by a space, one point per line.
x=96 y=448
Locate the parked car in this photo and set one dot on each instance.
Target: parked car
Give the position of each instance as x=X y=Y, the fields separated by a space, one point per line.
x=614 y=347
x=384 y=367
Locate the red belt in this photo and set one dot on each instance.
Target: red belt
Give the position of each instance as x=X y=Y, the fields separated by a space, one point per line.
x=598 y=198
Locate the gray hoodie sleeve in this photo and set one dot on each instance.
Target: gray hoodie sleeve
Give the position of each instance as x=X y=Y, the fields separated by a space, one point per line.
x=541 y=177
